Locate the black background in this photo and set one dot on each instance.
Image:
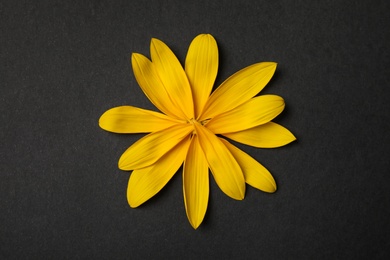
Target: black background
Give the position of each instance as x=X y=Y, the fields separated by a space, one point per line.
x=65 y=63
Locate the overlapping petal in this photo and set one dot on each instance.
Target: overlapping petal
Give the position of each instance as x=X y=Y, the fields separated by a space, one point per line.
x=146 y=182
x=269 y=135
x=128 y=119
x=152 y=147
x=257 y=111
x=225 y=169
x=150 y=83
x=201 y=67
x=173 y=77
x=255 y=174
x=239 y=88
x=195 y=183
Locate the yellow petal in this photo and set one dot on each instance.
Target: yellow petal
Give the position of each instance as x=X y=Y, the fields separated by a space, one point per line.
x=257 y=111
x=128 y=119
x=195 y=184
x=239 y=88
x=255 y=174
x=152 y=147
x=225 y=169
x=269 y=135
x=201 y=68
x=150 y=83
x=146 y=182
x=173 y=77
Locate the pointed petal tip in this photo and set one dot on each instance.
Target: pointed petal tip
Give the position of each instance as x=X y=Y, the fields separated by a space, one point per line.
x=135 y=59
x=154 y=41
x=242 y=193
x=293 y=137
x=135 y=56
x=122 y=167
x=271 y=64
x=132 y=204
x=195 y=227
x=121 y=164
x=194 y=222
x=270 y=190
x=240 y=196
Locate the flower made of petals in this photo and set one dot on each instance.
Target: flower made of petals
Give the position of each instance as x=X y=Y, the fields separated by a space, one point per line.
x=192 y=119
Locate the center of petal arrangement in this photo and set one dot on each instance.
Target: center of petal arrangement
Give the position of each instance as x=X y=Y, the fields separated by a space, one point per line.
x=195 y=124
x=194 y=121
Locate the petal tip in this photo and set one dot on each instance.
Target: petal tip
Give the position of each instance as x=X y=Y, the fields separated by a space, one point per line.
x=104 y=119
x=101 y=120
x=122 y=165
x=271 y=190
x=195 y=225
x=271 y=64
x=208 y=35
x=291 y=138
x=132 y=203
x=240 y=196
x=154 y=41
x=136 y=56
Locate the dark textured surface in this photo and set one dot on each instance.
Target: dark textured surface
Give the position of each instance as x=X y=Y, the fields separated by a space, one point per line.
x=63 y=64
